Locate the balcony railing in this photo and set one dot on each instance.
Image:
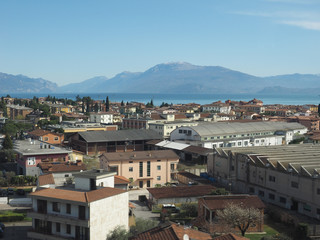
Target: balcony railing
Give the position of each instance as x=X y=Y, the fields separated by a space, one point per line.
x=60 y=218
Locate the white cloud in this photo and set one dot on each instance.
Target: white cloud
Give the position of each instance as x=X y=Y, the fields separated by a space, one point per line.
x=304 y=24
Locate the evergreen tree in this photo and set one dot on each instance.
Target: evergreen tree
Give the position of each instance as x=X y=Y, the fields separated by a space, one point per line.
x=7 y=143
x=122 y=103
x=107 y=104
x=96 y=107
x=319 y=109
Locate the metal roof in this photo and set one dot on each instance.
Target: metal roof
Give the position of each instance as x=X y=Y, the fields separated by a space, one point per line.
x=224 y=128
x=172 y=145
x=121 y=135
x=35 y=147
x=302 y=159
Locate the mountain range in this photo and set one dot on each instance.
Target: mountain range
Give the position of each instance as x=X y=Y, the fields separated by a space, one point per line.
x=172 y=78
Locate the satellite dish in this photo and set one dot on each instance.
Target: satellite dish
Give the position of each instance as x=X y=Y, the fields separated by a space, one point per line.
x=185 y=237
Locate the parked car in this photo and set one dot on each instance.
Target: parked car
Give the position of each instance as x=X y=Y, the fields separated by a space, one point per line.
x=3 y=193
x=10 y=191
x=21 y=191
x=2 y=226
x=170 y=208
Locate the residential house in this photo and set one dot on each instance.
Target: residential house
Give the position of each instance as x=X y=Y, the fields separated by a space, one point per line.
x=32 y=152
x=172 y=231
x=142 y=168
x=47 y=136
x=87 y=211
x=165 y=128
x=218 y=107
x=209 y=205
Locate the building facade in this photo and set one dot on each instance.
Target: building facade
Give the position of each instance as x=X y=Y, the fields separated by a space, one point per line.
x=142 y=168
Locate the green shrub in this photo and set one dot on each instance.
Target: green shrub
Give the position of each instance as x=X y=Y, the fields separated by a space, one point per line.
x=11 y=217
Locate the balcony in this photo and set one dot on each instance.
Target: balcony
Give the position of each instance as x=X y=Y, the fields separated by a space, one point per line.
x=65 y=219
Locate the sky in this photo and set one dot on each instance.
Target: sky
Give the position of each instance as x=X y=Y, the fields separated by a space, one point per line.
x=74 y=40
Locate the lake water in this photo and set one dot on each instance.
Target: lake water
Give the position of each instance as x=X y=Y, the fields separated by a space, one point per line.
x=182 y=98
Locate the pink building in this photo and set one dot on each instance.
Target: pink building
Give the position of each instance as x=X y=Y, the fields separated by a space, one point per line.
x=32 y=152
x=142 y=168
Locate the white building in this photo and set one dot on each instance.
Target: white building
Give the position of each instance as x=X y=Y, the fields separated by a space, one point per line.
x=218 y=107
x=105 y=118
x=237 y=134
x=165 y=128
x=90 y=210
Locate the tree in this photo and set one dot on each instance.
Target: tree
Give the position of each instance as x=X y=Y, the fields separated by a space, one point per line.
x=122 y=103
x=239 y=216
x=119 y=233
x=7 y=143
x=96 y=107
x=142 y=225
x=219 y=191
x=107 y=104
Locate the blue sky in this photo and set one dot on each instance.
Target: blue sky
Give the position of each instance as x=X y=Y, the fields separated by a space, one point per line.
x=71 y=41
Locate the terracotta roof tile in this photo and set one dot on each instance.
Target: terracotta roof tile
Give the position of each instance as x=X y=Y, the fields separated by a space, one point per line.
x=220 y=202
x=171 y=232
x=140 y=155
x=121 y=180
x=62 y=167
x=175 y=192
x=45 y=179
x=78 y=196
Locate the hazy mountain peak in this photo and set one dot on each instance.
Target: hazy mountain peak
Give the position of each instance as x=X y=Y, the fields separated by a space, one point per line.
x=173 y=66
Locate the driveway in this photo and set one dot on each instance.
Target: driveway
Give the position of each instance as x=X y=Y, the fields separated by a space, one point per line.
x=141 y=210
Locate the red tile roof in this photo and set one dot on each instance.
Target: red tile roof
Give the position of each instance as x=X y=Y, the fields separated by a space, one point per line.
x=45 y=179
x=40 y=132
x=77 y=196
x=171 y=232
x=121 y=180
x=220 y=202
x=176 y=192
x=62 y=167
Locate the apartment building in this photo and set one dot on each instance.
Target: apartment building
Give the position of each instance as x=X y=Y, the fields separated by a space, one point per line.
x=89 y=210
x=15 y=111
x=238 y=134
x=142 y=168
x=287 y=176
x=101 y=117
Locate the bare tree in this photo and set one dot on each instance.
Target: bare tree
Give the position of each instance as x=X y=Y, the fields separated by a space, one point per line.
x=239 y=216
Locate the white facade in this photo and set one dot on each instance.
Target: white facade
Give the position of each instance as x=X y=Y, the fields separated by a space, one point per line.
x=224 y=134
x=105 y=118
x=221 y=108
x=164 y=129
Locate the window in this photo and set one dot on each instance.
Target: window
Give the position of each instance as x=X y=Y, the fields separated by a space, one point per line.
x=318 y=211
x=257 y=141
x=239 y=143
x=251 y=190
x=46 y=139
x=272 y=178
x=158 y=178
x=180 y=131
x=294 y=184
x=66 y=175
x=246 y=143
x=318 y=191
x=68 y=208
x=158 y=167
x=130 y=169
x=261 y=193
x=307 y=207
x=148 y=183
x=140 y=184
x=57 y=227
x=68 y=229
x=130 y=161
x=140 y=169
x=158 y=160
x=56 y=138
x=148 y=169
x=56 y=207
x=283 y=200
x=271 y=196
